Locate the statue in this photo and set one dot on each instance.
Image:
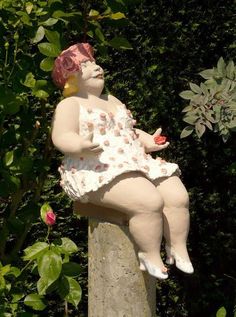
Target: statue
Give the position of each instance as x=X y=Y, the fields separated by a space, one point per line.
x=107 y=164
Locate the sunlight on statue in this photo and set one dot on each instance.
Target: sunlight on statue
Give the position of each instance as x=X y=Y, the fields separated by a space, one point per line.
x=107 y=169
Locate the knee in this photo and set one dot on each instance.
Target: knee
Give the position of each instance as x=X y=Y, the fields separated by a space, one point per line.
x=151 y=204
x=182 y=199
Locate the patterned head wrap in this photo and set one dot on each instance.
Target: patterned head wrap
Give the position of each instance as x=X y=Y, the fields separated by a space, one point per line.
x=69 y=62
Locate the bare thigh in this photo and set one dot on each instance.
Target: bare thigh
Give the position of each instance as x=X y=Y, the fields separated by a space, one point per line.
x=172 y=191
x=130 y=193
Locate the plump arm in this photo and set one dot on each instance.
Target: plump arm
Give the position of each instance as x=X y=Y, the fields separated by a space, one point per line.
x=65 y=130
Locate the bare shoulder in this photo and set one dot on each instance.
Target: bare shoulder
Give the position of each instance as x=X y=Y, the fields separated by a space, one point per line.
x=69 y=104
x=114 y=99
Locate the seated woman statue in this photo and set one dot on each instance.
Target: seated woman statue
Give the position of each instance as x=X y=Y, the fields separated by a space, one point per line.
x=107 y=164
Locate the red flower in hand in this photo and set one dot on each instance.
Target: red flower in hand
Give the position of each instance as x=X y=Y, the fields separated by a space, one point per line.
x=160 y=139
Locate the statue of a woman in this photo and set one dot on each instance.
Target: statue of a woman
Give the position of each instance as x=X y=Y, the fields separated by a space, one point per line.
x=107 y=163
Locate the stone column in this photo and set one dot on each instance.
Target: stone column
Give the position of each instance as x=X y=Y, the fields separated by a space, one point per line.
x=117 y=288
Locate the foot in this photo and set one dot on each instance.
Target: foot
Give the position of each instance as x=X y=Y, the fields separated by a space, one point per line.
x=182 y=264
x=151 y=268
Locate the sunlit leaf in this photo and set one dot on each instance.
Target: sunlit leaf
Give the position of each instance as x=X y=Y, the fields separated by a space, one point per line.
x=186 y=132
x=187 y=94
x=49 y=49
x=47 y=64
x=39 y=34
x=50 y=265
x=221 y=312
x=75 y=292
x=35 y=301
x=117 y=16
x=32 y=252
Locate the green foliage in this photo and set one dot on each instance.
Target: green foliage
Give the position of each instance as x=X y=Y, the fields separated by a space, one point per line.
x=212 y=104
x=172 y=42
x=32 y=34
x=56 y=272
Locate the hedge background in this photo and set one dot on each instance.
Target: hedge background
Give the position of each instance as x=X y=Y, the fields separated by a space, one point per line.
x=172 y=42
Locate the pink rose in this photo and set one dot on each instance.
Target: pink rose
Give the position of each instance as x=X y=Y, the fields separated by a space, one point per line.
x=50 y=218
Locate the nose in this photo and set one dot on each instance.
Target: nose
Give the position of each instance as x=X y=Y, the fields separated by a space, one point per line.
x=97 y=68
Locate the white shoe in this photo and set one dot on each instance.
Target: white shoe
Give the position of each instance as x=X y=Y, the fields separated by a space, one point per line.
x=180 y=263
x=152 y=269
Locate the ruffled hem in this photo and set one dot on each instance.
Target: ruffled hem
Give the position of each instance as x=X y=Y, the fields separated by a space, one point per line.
x=70 y=181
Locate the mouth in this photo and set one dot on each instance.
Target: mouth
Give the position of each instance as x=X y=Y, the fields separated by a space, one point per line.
x=100 y=76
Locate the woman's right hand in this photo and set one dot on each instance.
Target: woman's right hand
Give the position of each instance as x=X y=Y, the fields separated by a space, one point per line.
x=88 y=148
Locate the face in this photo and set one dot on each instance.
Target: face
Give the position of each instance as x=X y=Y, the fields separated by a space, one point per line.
x=91 y=76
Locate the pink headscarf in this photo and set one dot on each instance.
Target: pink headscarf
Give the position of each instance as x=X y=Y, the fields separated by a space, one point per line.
x=68 y=62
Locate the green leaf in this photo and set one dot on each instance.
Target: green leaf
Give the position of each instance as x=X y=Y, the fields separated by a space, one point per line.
x=42 y=285
x=63 y=288
x=61 y=14
x=39 y=34
x=232 y=124
x=47 y=64
x=43 y=210
x=186 y=132
x=29 y=80
x=204 y=89
x=71 y=269
x=41 y=94
x=53 y=37
x=117 y=16
x=221 y=67
x=195 y=88
x=221 y=312
x=35 y=301
x=5 y=269
x=29 y=7
x=2 y=284
x=191 y=119
x=9 y=157
x=49 y=49
x=188 y=108
x=99 y=35
x=207 y=74
x=50 y=265
x=67 y=246
x=120 y=43
x=75 y=292
x=230 y=70
x=50 y=22
x=93 y=13
x=187 y=94
x=34 y=251
x=200 y=129
x=15 y=271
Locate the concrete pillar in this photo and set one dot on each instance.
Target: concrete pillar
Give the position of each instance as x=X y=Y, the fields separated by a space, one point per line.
x=117 y=288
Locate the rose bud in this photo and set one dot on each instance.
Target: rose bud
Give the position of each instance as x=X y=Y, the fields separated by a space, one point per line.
x=50 y=218
x=160 y=139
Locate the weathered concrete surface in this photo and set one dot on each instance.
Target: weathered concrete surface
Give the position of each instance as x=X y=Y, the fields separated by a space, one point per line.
x=117 y=288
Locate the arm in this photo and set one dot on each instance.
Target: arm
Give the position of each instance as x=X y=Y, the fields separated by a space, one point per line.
x=148 y=141
x=65 y=130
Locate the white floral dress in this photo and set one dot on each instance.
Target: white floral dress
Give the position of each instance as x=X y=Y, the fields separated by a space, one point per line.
x=123 y=152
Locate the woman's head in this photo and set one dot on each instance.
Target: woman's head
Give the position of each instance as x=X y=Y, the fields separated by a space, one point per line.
x=68 y=63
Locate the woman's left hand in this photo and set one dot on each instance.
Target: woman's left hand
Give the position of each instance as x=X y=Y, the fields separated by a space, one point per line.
x=153 y=146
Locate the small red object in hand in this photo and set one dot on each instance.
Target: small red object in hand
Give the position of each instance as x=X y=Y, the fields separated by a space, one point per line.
x=160 y=139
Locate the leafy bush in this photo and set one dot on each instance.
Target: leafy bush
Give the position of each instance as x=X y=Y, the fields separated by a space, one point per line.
x=213 y=103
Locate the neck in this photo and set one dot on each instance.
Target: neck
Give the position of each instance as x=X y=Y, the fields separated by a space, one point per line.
x=90 y=92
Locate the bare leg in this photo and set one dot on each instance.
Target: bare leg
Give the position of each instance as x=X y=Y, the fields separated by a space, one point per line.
x=176 y=214
x=100 y=213
x=134 y=195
